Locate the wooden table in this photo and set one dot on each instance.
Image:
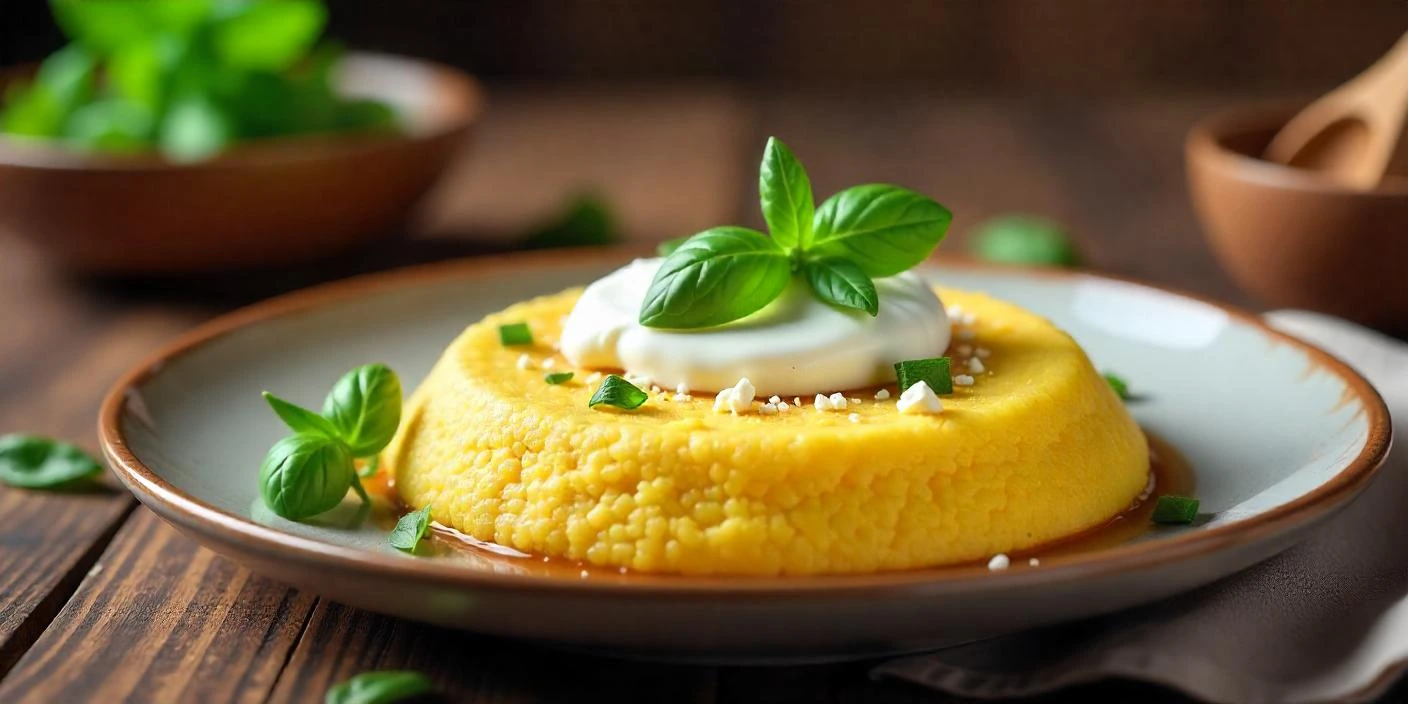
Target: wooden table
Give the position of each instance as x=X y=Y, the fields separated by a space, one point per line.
x=102 y=601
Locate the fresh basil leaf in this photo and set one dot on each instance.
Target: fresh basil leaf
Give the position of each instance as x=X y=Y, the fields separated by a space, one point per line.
x=299 y=419
x=883 y=229
x=786 y=195
x=365 y=407
x=380 y=687
x=410 y=529
x=269 y=36
x=668 y=247
x=108 y=25
x=586 y=222
x=1025 y=240
x=32 y=111
x=618 y=393
x=555 y=378
x=718 y=276
x=937 y=372
x=111 y=125
x=195 y=128
x=141 y=71
x=32 y=462
x=305 y=474
x=842 y=283
x=68 y=75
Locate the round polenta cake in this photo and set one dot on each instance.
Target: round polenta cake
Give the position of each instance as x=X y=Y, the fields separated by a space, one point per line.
x=1037 y=449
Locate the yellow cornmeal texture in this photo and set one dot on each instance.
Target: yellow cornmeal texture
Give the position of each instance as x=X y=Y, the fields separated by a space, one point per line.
x=1038 y=449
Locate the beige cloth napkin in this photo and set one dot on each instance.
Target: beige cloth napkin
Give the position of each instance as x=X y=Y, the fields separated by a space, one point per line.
x=1326 y=621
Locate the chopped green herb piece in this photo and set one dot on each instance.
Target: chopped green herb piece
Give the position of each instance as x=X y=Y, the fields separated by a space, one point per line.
x=936 y=372
x=1175 y=510
x=1023 y=239
x=619 y=393
x=668 y=247
x=515 y=334
x=1120 y=386
x=556 y=378
x=410 y=529
x=381 y=687
x=32 y=462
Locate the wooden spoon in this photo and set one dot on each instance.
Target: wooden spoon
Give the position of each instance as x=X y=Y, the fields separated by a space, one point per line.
x=1355 y=133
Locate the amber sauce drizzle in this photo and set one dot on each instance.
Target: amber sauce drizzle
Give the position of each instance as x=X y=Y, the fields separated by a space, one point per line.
x=1169 y=473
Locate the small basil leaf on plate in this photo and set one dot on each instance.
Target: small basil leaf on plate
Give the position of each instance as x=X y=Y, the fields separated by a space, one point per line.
x=365 y=407
x=716 y=277
x=617 y=393
x=410 y=529
x=883 y=229
x=1118 y=385
x=380 y=687
x=668 y=247
x=305 y=474
x=842 y=283
x=299 y=419
x=1023 y=239
x=33 y=462
x=555 y=378
x=936 y=372
x=786 y=195
x=1175 y=510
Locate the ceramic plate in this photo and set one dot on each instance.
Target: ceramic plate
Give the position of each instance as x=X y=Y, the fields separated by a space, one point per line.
x=1279 y=436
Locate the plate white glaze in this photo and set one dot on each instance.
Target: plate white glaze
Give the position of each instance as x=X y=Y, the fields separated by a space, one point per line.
x=1280 y=436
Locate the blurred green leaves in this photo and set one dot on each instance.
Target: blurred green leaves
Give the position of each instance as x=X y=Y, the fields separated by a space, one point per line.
x=188 y=77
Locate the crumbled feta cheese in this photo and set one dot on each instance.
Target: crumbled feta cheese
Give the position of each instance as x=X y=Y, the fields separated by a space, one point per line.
x=838 y=402
x=854 y=417
x=682 y=389
x=966 y=334
x=775 y=400
x=963 y=380
x=584 y=574
x=854 y=401
x=919 y=398
x=682 y=397
x=983 y=352
x=976 y=366
x=963 y=350
x=882 y=394
x=797 y=401
x=548 y=363
x=768 y=409
x=1034 y=562
x=737 y=399
x=998 y=562
x=822 y=403
x=655 y=388
x=524 y=361
x=782 y=406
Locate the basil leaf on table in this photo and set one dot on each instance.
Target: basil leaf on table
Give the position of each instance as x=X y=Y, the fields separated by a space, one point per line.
x=410 y=529
x=33 y=462
x=365 y=407
x=379 y=687
x=306 y=474
x=716 y=277
x=883 y=229
x=299 y=419
x=786 y=195
x=841 y=282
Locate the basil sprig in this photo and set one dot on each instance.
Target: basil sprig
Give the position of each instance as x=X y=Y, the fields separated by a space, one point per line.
x=410 y=529
x=862 y=233
x=33 y=462
x=380 y=687
x=310 y=471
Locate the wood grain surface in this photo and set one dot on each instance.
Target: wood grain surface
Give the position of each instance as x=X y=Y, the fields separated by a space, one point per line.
x=103 y=602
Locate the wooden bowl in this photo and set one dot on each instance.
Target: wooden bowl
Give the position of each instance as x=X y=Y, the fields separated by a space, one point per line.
x=1294 y=238
x=261 y=203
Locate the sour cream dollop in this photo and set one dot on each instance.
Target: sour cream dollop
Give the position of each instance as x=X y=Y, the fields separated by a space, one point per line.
x=796 y=346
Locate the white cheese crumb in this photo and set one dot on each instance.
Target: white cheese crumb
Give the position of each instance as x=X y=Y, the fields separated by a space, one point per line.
x=655 y=388
x=548 y=363
x=783 y=407
x=854 y=417
x=998 y=562
x=524 y=361
x=954 y=311
x=737 y=399
x=838 y=402
x=882 y=394
x=822 y=403
x=983 y=353
x=768 y=409
x=966 y=334
x=775 y=400
x=963 y=380
x=919 y=398
x=545 y=559
x=1034 y=562
x=584 y=574
x=682 y=397
x=976 y=366
x=964 y=350
x=797 y=401
x=855 y=401
x=682 y=389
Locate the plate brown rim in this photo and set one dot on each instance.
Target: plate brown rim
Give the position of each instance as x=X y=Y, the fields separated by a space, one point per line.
x=216 y=524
